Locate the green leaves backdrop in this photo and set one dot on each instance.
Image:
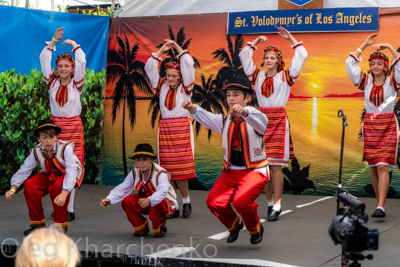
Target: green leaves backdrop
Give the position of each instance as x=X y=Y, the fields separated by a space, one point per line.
x=24 y=100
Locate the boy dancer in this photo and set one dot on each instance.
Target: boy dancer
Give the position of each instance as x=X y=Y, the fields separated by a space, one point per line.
x=155 y=196
x=60 y=171
x=245 y=163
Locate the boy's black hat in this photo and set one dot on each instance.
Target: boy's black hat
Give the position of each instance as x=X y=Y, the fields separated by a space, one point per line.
x=239 y=83
x=143 y=150
x=47 y=123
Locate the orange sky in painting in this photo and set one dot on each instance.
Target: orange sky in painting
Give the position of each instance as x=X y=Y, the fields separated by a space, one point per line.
x=323 y=74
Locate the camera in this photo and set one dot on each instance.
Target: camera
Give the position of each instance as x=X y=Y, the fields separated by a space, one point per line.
x=347 y=229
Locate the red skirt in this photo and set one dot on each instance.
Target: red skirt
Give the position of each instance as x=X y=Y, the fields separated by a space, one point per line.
x=72 y=131
x=175 y=152
x=275 y=135
x=380 y=134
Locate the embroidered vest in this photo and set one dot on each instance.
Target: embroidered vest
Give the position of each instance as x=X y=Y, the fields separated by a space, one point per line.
x=59 y=160
x=171 y=198
x=252 y=144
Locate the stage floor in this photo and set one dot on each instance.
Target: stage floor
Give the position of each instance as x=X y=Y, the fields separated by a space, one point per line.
x=299 y=238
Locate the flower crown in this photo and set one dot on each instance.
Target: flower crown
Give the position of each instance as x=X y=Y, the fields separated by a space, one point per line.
x=65 y=56
x=381 y=56
x=278 y=54
x=173 y=65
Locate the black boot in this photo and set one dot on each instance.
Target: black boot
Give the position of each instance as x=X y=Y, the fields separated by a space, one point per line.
x=173 y=215
x=255 y=239
x=145 y=232
x=234 y=235
x=274 y=215
x=187 y=210
x=163 y=231
x=70 y=216
x=30 y=230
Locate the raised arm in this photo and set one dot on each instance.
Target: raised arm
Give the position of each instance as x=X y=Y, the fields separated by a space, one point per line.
x=286 y=35
x=80 y=63
x=246 y=56
x=151 y=67
x=45 y=56
x=382 y=46
x=369 y=41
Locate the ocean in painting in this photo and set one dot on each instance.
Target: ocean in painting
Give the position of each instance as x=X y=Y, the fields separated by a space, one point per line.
x=316 y=132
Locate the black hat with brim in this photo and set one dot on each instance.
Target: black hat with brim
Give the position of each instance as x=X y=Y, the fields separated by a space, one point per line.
x=46 y=124
x=143 y=150
x=238 y=83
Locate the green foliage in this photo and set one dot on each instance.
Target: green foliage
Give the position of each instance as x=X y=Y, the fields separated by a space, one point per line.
x=24 y=100
x=98 y=12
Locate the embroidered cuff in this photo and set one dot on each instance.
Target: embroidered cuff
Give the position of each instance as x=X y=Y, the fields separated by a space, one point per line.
x=181 y=54
x=297 y=44
x=397 y=60
x=251 y=45
x=76 y=48
x=51 y=48
x=355 y=58
x=153 y=55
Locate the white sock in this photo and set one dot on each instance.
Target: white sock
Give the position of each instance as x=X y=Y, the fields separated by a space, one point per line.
x=70 y=207
x=277 y=207
x=186 y=200
x=270 y=203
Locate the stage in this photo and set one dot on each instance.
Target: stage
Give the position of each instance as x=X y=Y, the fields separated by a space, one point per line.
x=299 y=238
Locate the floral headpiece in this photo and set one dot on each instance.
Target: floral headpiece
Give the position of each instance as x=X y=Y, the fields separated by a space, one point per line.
x=381 y=56
x=65 y=56
x=278 y=54
x=173 y=65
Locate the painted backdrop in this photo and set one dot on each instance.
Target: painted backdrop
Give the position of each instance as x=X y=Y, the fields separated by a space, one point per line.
x=320 y=91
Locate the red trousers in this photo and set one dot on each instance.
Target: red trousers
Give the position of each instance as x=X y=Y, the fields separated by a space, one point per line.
x=237 y=188
x=37 y=187
x=157 y=214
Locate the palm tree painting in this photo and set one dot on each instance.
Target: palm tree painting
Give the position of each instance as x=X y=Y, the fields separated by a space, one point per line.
x=233 y=64
x=128 y=74
x=297 y=179
x=180 y=39
x=231 y=59
x=208 y=96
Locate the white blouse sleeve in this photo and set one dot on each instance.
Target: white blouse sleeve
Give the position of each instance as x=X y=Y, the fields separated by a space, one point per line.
x=354 y=70
x=256 y=119
x=208 y=119
x=246 y=57
x=122 y=190
x=161 y=190
x=80 y=67
x=71 y=169
x=45 y=61
x=187 y=70
x=24 y=171
x=299 y=58
x=151 y=69
x=396 y=72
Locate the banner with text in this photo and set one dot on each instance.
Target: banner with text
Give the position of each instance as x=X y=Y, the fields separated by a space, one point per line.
x=305 y=20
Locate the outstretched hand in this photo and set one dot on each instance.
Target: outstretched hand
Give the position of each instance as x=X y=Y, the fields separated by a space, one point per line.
x=59 y=33
x=238 y=110
x=284 y=33
x=9 y=194
x=105 y=202
x=371 y=39
x=70 y=42
x=380 y=46
x=187 y=104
